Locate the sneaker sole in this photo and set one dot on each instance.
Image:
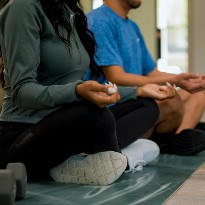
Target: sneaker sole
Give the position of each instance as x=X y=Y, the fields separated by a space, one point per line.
x=96 y=169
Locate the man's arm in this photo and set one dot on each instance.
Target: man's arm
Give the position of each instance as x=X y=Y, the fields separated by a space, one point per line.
x=188 y=81
x=116 y=74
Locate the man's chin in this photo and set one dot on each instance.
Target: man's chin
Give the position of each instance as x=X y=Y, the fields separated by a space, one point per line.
x=136 y=4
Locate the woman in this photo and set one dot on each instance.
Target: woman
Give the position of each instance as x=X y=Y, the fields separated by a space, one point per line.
x=49 y=115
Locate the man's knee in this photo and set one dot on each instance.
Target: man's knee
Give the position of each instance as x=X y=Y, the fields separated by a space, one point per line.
x=200 y=98
x=171 y=115
x=172 y=107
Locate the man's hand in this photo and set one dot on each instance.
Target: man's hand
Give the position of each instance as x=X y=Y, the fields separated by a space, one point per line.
x=190 y=82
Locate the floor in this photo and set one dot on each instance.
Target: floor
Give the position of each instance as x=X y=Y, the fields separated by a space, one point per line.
x=192 y=191
x=155 y=184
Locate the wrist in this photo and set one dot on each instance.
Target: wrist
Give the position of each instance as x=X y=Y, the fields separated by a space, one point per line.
x=78 y=89
x=139 y=92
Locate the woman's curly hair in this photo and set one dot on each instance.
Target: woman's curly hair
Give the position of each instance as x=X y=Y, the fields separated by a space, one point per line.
x=1 y=69
x=55 y=11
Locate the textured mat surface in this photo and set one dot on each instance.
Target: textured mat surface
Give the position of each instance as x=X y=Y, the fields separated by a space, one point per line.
x=153 y=185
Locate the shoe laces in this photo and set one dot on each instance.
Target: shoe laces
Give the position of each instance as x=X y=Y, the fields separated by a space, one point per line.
x=137 y=167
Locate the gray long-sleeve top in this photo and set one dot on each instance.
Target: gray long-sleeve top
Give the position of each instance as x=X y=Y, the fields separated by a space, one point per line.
x=41 y=72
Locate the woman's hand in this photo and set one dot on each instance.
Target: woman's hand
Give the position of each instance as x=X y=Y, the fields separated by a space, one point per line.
x=158 y=92
x=97 y=93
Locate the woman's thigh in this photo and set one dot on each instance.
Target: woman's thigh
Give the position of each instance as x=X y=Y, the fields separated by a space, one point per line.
x=134 y=118
x=72 y=129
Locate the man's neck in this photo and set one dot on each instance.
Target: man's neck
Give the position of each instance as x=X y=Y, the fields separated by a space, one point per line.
x=117 y=7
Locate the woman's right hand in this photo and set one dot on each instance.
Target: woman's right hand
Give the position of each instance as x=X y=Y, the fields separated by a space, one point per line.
x=158 y=92
x=96 y=93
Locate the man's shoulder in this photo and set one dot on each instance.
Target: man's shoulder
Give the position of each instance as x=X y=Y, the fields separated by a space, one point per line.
x=98 y=13
x=98 y=18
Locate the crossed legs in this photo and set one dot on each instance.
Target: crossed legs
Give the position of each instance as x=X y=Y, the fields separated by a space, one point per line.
x=194 y=105
x=184 y=111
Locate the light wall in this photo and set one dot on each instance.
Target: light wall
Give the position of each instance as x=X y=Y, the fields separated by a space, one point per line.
x=87 y=5
x=197 y=36
x=145 y=17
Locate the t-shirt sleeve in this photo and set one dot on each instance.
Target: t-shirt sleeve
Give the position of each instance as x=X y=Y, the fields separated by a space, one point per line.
x=107 y=52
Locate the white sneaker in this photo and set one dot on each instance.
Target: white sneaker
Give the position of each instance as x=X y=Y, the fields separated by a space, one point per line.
x=102 y=168
x=140 y=153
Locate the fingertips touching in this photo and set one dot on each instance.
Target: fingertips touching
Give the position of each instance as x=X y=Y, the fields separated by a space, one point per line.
x=169 y=89
x=112 y=88
x=163 y=87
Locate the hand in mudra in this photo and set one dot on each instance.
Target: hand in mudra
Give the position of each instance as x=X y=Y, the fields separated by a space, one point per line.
x=158 y=92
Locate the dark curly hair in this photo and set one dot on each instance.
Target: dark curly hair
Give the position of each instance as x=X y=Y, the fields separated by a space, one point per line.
x=1 y=69
x=2 y=4
x=55 y=11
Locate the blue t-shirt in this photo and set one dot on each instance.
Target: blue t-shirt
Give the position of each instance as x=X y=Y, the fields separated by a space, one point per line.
x=119 y=42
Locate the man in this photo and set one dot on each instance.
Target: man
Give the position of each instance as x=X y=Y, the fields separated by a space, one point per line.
x=125 y=60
